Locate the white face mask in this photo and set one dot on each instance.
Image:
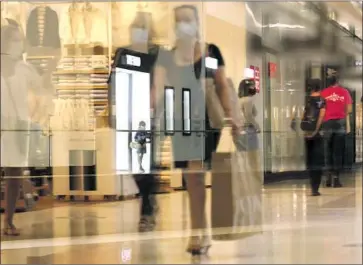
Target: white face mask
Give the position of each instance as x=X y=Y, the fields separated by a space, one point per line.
x=139 y=35
x=142 y=128
x=186 y=30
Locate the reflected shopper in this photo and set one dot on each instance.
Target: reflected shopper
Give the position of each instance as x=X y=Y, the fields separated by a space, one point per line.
x=336 y=125
x=20 y=101
x=142 y=45
x=249 y=141
x=183 y=68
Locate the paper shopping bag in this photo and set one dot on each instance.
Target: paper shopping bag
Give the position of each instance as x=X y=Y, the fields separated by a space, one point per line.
x=236 y=193
x=247 y=194
x=222 y=186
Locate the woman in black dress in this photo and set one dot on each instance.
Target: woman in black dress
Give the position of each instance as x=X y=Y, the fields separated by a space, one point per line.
x=184 y=69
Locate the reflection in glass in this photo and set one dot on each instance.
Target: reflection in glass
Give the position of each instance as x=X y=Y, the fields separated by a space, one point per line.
x=186 y=111
x=169 y=110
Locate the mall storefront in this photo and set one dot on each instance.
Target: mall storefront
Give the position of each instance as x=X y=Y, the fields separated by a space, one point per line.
x=72 y=45
x=283 y=43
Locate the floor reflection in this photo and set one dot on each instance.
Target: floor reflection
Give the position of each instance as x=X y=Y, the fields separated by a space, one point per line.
x=297 y=228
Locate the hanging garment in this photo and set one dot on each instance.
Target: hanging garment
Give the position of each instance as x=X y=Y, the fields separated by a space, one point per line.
x=43 y=28
x=83 y=24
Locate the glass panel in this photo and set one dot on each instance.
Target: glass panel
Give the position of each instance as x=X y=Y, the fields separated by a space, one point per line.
x=186 y=111
x=286 y=94
x=169 y=110
x=122 y=92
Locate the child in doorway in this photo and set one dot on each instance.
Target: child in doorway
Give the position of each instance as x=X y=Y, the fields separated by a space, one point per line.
x=142 y=137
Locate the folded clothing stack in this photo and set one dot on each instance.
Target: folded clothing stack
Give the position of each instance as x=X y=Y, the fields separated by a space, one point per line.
x=84 y=63
x=100 y=79
x=81 y=63
x=99 y=62
x=66 y=63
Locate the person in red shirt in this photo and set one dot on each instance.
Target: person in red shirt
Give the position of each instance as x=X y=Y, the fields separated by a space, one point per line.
x=335 y=127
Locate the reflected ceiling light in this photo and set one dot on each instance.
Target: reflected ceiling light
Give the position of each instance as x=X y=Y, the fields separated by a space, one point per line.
x=280 y=25
x=276 y=25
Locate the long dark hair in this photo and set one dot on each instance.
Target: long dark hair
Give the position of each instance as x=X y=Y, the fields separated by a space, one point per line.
x=314 y=85
x=247 y=88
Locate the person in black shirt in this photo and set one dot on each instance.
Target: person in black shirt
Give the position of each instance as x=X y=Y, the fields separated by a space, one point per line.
x=142 y=46
x=314 y=140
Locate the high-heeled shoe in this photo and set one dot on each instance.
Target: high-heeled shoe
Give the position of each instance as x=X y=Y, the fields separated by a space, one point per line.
x=198 y=246
x=10 y=230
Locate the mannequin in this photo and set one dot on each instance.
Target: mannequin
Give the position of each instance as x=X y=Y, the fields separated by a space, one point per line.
x=84 y=23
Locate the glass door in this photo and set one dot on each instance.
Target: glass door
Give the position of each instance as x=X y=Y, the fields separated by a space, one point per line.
x=284 y=99
x=132 y=94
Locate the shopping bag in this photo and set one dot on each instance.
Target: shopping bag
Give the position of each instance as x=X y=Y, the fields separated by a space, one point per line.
x=236 y=192
x=222 y=187
x=247 y=181
x=135 y=145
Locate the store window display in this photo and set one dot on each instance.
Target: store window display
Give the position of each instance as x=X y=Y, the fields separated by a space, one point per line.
x=84 y=23
x=130 y=87
x=42 y=28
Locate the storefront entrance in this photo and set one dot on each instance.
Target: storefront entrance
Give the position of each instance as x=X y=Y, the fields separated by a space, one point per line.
x=283 y=99
x=132 y=105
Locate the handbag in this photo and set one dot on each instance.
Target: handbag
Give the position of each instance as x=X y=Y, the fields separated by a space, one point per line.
x=247 y=140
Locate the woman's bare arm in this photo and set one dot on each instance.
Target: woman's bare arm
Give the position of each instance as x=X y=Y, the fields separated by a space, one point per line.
x=223 y=91
x=157 y=88
x=320 y=120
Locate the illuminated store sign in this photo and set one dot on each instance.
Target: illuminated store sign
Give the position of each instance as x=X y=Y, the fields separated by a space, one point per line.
x=133 y=60
x=211 y=63
x=256 y=77
x=249 y=73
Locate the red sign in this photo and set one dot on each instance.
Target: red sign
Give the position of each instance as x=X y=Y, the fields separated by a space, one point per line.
x=272 y=69
x=256 y=71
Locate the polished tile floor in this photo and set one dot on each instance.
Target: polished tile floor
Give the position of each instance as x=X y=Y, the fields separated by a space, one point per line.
x=297 y=228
